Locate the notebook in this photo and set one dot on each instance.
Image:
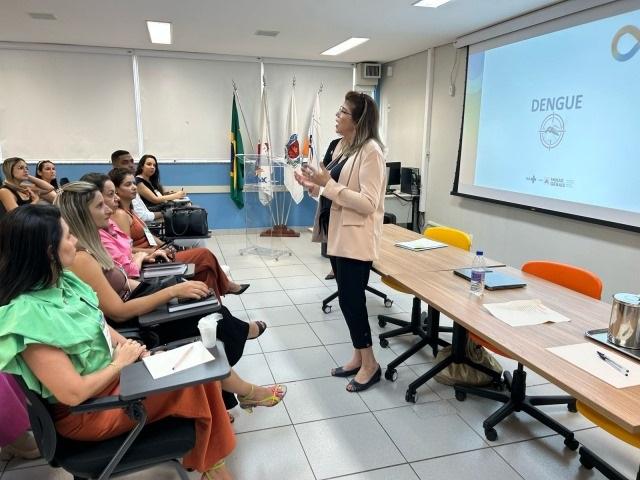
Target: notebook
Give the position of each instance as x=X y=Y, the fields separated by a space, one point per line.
x=164 y=270
x=493 y=280
x=186 y=304
x=420 y=245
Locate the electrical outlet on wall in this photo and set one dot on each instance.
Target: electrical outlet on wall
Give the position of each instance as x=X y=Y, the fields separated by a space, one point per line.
x=452 y=90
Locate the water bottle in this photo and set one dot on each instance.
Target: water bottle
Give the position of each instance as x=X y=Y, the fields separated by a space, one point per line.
x=478 y=268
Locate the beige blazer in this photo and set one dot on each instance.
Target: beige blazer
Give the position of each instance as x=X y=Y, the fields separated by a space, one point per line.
x=357 y=211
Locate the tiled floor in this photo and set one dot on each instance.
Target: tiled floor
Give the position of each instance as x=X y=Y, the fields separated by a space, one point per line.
x=321 y=431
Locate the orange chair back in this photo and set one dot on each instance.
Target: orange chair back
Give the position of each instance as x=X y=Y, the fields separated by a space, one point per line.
x=450 y=236
x=575 y=278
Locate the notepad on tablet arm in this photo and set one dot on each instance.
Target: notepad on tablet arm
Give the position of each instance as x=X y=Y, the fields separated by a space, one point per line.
x=493 y=280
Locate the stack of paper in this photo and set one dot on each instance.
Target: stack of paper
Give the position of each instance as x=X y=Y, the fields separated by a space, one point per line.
x=585 y=356
x=524 y=312
x=178 y=359
x=420 y=244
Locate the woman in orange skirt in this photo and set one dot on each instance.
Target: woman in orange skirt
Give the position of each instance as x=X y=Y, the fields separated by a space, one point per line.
x=54 y=336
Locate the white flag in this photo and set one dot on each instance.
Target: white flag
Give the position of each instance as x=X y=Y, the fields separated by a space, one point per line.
x=292 y=153
x=311 y=149
x=263 y=164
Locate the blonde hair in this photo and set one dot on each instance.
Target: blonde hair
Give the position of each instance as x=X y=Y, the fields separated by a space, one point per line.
x=7 y=170
x=73 y=202
x=364 y=113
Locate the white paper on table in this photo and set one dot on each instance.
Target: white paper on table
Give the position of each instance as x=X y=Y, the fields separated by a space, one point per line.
x=162 y=364
x=519 y=313
x=421 y=244
x=585 y=356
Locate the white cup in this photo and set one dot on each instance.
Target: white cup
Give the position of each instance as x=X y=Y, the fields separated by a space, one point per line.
x=208 y=326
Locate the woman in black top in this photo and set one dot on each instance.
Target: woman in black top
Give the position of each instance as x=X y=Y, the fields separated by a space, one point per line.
x=14 y=192
x=46 y=170
x=148 y=182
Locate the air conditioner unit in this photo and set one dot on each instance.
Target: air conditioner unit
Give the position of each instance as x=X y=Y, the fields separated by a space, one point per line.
x=369 y=73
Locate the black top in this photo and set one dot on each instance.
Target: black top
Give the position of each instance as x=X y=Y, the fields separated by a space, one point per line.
x=147 y=184
x=334 y=167
x=19 y=200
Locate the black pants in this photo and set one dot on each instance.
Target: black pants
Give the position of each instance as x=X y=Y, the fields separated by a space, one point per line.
x=352 y=277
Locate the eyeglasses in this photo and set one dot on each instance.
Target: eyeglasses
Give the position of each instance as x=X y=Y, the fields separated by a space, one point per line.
x=343 y=111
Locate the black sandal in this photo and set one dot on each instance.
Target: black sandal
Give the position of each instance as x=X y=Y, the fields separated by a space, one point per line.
x=360 y=387
x=261 y=328
x=341 y=372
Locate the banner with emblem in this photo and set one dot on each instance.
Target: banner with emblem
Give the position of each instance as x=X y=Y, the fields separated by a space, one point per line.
x=236 y=167
x=292 y=152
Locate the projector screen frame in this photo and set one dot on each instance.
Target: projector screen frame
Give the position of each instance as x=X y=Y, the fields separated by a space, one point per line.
x=456 y=180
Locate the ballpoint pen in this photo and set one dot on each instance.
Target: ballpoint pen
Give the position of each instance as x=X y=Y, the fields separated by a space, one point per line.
x=182 y=358
x=614 y=364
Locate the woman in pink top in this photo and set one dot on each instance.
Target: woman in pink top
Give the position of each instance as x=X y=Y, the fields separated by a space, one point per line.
x=116 y=242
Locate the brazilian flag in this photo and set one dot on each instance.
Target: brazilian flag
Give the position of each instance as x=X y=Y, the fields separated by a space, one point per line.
x=237 y=163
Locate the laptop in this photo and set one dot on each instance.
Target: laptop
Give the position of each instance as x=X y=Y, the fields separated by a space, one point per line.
x=493 y=280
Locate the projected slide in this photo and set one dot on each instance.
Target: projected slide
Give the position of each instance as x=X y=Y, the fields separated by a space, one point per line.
x=557 y=116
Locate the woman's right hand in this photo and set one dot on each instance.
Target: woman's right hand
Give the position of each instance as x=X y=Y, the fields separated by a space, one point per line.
x=190 y=289
x=126 y=353
x=178 y=194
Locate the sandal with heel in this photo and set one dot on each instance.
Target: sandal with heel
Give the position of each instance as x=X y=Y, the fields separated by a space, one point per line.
x=213 y=469
x=248 y=402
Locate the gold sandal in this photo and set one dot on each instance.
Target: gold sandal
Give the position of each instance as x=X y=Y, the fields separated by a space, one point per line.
x=277 y=394
x=215 y=468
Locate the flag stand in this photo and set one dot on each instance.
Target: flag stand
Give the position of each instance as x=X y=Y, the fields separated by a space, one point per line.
x=259 y=209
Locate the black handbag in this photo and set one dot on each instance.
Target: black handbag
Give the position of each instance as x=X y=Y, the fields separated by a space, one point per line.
x=185 y=222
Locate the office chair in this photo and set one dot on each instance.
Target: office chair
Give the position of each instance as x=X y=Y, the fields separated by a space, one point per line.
x=516 y=399
x=588 y=459
x=426 y=325
x=145 y=446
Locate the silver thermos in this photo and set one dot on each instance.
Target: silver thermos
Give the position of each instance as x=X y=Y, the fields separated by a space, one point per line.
x=624 y=325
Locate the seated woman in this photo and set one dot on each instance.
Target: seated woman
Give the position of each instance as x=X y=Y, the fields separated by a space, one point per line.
x=46 y=170
x=54 y=336
x=207 y=267
x=114 y=240
x=14 y=192
x=84 y=211
x=149 y=186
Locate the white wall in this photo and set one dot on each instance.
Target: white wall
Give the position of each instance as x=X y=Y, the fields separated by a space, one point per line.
x=509 y=234
x=402 y=109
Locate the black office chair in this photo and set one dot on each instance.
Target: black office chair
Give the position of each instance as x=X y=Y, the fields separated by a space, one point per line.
x=516 y=398
x=145 y=446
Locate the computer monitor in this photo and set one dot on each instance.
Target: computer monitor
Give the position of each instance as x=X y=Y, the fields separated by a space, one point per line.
x=393 y=176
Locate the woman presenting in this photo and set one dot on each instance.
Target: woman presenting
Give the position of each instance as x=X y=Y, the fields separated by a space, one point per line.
x=351 y=211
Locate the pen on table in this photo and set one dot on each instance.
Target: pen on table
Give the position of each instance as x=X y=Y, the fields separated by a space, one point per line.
x=614 y=364
x=182 y=358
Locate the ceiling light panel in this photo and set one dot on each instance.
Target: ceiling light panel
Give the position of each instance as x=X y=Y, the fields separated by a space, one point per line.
x=159 y=32
x=344 y=46
x=430 y=3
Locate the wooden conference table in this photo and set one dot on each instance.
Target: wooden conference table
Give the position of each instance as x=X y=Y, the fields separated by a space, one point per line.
x=394 y=260
x=448 y=293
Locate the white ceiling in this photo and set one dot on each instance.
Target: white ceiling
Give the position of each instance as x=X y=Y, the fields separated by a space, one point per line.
x=306 y=27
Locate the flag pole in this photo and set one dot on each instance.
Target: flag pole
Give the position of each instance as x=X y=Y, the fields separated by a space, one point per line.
x=269 y=160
